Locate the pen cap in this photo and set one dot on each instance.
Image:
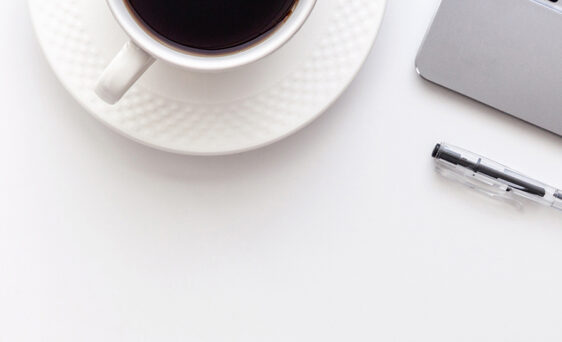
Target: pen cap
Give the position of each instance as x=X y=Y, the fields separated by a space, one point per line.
x=460 y=157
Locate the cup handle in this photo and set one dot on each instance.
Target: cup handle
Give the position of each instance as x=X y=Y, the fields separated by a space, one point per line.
x=125 y=69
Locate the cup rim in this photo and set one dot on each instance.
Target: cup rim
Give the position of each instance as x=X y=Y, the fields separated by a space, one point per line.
x=159 y=50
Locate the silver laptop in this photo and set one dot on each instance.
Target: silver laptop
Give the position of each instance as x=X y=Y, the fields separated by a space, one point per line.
x=504 y=53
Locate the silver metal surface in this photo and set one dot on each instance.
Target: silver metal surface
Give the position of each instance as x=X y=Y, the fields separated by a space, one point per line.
x=504 y=53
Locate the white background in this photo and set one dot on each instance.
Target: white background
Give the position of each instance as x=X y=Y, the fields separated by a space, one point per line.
x=342 y=232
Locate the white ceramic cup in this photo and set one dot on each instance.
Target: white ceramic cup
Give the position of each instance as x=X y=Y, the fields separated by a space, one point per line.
x=143 y=49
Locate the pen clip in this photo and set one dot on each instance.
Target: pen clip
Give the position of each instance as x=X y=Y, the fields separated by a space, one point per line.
x=482 y=184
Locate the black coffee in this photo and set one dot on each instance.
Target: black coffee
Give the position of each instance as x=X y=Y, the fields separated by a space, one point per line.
x=211 y=25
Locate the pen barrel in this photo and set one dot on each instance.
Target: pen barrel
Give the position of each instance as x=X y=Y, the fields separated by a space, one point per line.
x=556 y=202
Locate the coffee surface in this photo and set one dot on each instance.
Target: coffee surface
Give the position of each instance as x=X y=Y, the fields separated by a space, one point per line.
x=211 y=25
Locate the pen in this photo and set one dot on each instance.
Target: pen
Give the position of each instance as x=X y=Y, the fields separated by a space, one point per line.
x=493 y=178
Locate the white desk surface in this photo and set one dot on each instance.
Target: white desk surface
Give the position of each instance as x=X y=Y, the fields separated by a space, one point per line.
x=342 y=232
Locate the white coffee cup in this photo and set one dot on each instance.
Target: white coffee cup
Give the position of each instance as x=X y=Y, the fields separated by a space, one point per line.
x=144 y=49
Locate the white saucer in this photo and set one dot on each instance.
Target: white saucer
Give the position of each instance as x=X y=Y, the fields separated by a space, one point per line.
x=211 y=114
